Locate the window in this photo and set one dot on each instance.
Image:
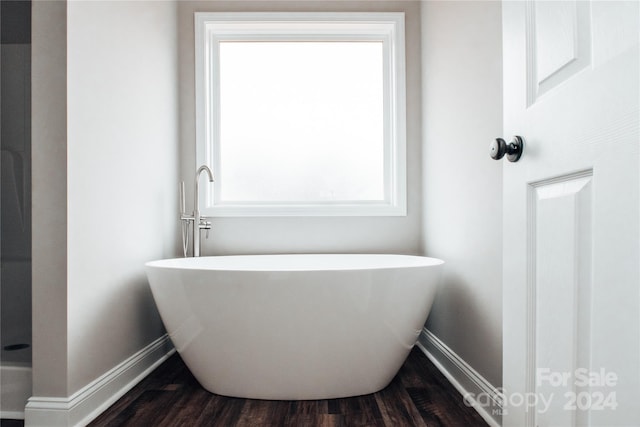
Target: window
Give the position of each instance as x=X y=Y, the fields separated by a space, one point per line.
x=301 y=113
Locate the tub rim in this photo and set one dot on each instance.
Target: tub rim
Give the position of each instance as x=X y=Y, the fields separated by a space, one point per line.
x=303 y=262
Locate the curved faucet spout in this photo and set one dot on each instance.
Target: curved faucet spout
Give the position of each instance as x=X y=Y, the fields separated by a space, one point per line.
x=196 y=211
x=204 y=168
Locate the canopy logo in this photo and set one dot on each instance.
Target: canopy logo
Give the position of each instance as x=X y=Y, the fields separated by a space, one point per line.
x=581 y=390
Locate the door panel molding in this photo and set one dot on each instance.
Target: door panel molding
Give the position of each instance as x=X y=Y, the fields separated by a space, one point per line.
x=558 y=44
x=559 y=270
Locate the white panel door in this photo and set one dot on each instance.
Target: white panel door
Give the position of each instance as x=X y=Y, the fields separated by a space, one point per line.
x=571 y=308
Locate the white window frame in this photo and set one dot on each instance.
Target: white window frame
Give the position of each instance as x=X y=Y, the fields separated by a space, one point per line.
x=388 y=28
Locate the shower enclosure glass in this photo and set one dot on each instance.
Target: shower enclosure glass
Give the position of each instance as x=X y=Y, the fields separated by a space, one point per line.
x=15 y=208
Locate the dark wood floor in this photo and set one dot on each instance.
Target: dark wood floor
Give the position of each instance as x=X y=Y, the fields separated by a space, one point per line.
x=170 y=396
x=418 y=396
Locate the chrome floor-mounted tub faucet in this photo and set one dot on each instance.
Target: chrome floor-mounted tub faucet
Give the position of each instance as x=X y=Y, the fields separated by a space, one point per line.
x=194 y=223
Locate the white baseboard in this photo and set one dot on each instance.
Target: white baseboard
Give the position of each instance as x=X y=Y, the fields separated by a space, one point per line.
x=15 y=389
x=87 y=403
x=476 y=391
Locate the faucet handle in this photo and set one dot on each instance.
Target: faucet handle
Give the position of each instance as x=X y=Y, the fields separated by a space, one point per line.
x=205 y=225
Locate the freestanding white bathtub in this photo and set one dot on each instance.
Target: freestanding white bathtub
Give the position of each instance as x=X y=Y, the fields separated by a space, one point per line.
x=294 y=327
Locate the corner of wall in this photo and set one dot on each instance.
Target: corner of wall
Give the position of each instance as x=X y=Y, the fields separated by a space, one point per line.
x=49 y=197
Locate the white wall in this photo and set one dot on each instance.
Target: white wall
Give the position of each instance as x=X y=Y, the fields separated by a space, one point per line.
x=308 y=234
x=122 y=174
x=108 y=181
x=462 y=185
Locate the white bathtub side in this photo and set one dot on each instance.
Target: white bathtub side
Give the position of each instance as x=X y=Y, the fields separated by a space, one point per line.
x=294 y=335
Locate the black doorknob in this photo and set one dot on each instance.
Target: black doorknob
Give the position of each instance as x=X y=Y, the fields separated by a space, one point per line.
x=513 y=150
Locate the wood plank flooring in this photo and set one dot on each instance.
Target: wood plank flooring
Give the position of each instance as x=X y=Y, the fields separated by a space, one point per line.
x=171 y=397
x=418 y=396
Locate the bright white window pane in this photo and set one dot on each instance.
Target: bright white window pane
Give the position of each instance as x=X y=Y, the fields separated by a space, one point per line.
x=301 y=122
